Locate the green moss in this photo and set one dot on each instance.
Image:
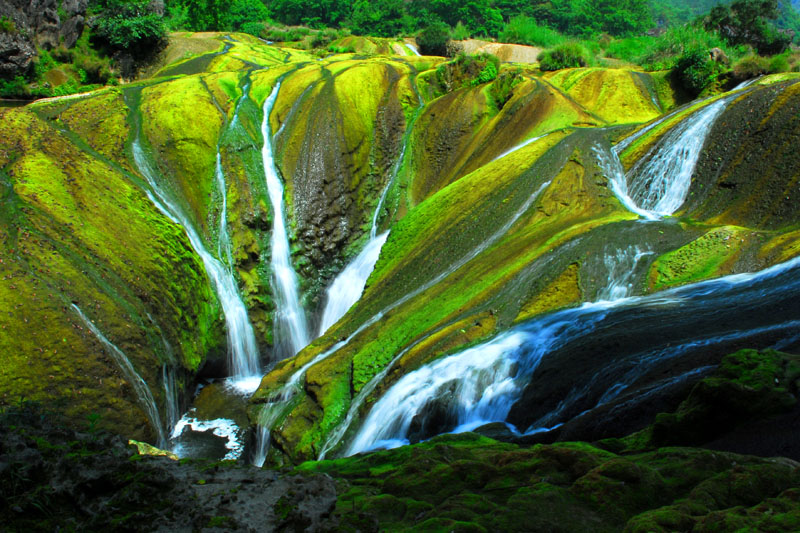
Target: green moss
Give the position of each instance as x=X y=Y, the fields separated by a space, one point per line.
x=703 y=258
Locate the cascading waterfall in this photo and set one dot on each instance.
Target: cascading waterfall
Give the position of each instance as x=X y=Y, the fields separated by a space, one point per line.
x=346 y=289
x=621 y=266
x=659 y=182
x=171 y=396
x=280 y=400
x=493 y=367
x=413 y=48
x=224 y=251
x=242 y=348
x=289 y=325
x=143 y=394
x=520 y=145
x=481 y=384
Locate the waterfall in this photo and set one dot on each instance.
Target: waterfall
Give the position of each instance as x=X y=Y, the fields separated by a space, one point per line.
x=621 y=265
x=242 y=349
x=171 y=396
x=143 y=394
x=659 y=182
x=346 y=289
x=224 y=251
x=480 y=384
x=289 y=325
x=413 y=49
x=287 y=391
x=521 y=145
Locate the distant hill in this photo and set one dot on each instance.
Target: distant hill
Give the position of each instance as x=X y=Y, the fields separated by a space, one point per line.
x=669 y=12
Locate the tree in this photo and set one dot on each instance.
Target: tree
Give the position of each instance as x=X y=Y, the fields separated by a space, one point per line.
x=747 y=22
x=130 y=26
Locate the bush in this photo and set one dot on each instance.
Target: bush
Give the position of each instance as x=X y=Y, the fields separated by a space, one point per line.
x=525 y=30
x=131 y=26
x=7 y=26
x=695 y=71
x=467 y=71
x=252 y=28
x=432 y=41
x=751 y=66
x=16 y=88
x=460 y=32
x=567 y=55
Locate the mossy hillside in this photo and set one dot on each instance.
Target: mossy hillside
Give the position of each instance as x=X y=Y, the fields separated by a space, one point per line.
x=713 y=254
x=364 y=45
x=747 y=174
x=617 y=96
x=471 y=483
x=185 y=154
x=184 y=45
x=336 y=152
x=742 y=406
x=63 y=211
x=571 y=206
x=532 y=109
x=102 y=122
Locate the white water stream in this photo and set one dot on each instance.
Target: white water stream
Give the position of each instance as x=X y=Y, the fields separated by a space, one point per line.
x=289 y=324
x=140 y=388
x=242 y=348
x=480 y=384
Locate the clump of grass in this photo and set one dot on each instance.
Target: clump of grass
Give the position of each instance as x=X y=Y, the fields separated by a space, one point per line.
x=663 y=52
x=567 y=55
x=525 y=30
x=459 y=32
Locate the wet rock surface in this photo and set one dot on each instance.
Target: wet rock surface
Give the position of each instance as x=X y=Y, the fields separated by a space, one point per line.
x=57 y=478
x=37 y=23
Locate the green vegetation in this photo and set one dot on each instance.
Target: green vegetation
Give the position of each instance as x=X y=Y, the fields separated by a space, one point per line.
x=747 y=22
x=433 y=40
x=525 y=30
x=567 y=55
x=130 y=25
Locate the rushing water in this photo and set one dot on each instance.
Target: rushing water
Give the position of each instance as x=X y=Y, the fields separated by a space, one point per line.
x=519 y=146
x=481 y=384
x=242 y=348
x=659 y=182
x=289 y=324
x=143 y=394
x=413 y=48
x=621 y=266
x=346 y=289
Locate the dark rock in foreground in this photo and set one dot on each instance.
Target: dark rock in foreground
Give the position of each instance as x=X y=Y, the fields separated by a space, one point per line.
x=59 y=479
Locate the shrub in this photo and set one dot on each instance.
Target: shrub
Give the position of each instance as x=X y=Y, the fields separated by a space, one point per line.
x=460 y=32
x=567 y=55
x=695 y=71
x=7 y=26
x=525 y=30
x=433 y=39
x=16 y=88
x=131 y=26
x=750 y=67
x=252 y=28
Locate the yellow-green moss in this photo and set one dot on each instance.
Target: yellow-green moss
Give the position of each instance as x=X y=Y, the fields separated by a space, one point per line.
x=708 y=256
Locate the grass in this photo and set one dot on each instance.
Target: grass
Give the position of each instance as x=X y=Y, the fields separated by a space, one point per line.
x=663 y=52
x=525 y=30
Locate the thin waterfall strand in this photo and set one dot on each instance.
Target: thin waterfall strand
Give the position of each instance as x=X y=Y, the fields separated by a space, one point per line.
x=290 y=318
x=242 y=348
x=140 y=388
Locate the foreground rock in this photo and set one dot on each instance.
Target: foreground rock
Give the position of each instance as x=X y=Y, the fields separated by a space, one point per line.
x=55 y=478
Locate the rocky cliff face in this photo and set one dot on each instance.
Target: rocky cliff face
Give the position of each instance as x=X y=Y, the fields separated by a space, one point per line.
x=37 y=23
